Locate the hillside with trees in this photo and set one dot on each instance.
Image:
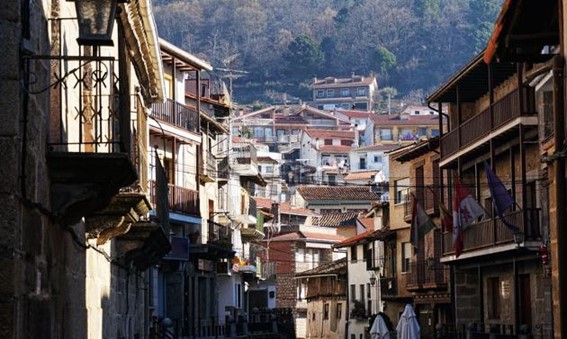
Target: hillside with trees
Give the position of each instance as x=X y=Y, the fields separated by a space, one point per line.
x=276 y=47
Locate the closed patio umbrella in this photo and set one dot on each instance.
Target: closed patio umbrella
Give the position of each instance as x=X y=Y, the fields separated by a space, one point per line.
x=379 y=330
x=408 y=328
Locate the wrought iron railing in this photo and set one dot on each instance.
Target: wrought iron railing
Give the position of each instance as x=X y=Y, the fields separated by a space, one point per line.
x=181 y=199
x=84 y=97
x=176 y=114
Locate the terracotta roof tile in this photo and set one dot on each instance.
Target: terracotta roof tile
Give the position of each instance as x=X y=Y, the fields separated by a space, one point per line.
x=312 y=236
x=361 y=175
x=367 y=222
x=378 y=147
x=335 y=148
x=329 y=134
x=355 y=114
x=336 y=219
x=336 y=193
x=367 y=237
x=357 y=239
x=336 y=267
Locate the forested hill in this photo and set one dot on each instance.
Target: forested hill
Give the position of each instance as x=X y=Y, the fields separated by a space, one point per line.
x=412 y=45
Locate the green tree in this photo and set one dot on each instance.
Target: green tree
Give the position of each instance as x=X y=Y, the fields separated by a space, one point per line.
x=304 y=57
x=383 y=59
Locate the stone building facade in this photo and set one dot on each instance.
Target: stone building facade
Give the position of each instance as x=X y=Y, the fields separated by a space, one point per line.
x=68 y=267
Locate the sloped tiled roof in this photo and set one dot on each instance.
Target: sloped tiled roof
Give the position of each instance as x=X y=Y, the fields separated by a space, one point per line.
x=377 y=147
x=335 y=148
x=394 y=120
x=355 y=114
x=368 y=223
x=329 y=134
x=337 y=193
x=334 y=267
x=336 y=219
x=357 y=239
x=361 y=175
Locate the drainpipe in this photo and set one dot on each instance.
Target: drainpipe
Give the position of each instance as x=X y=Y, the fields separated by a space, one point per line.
x=560 y=297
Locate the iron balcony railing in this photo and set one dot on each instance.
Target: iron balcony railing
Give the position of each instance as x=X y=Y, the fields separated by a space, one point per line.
x=176 y=114
x=181 y=199
x=88 y=112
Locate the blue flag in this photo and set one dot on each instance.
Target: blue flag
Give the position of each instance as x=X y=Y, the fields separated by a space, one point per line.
x=501 y=198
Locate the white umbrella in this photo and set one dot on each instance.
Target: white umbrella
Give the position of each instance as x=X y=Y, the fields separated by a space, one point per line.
x=379 y=330
x=408 y=328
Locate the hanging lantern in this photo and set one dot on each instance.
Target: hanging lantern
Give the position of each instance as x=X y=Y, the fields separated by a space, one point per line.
x=96 y=21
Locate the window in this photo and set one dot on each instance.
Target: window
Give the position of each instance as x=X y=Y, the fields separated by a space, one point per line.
x=378 y=159
x=326 y=312
x=339 y=311
x=406 y=134
x=353 y=253
x=362 y=292
x=361 y=91
x=320 y=93
x=362 y=163
x=416 y=112
x=386 y=134
x=352 y=292
x=493 y=297
x=330 y=93
x=345 y=92
x=361 y=106
x=434 y=132
x=332 y=179
x=168 y=88
x=422 y=131
x=259 y=168
x=406 y=256
x=346 y=142
x=328 y=141
x=401 y=187
x=258 y=132
x=269 y=169
x=300 y=255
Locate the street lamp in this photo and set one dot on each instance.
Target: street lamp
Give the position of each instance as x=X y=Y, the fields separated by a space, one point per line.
x=518 y=238
x=372 y=280
x=96 y=21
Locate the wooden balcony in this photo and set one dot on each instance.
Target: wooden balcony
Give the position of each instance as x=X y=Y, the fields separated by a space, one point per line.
x=493 y=232
x=181 y=199
x=426 y=276
x=176 y=114
x=482 y=124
